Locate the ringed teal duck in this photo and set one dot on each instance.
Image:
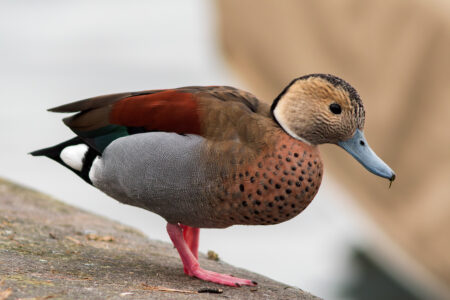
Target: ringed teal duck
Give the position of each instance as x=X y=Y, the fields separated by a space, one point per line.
x=216 y=156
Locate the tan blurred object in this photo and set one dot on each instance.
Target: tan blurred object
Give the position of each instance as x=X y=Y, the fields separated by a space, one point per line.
x=397 y=55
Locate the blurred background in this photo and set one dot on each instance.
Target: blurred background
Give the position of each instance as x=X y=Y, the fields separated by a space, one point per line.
x=358 y=239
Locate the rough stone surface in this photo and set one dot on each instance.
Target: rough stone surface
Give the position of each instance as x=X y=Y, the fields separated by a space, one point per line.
x=49 y=250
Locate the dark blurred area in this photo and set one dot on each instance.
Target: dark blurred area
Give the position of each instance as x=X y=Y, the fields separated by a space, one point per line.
x=372 y=282
x=397 y=55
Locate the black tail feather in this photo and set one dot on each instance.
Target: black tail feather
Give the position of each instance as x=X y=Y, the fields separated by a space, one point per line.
x=55 y=151
x=55 y=154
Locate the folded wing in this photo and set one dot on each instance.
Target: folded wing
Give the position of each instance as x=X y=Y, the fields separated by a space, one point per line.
x=101 y=120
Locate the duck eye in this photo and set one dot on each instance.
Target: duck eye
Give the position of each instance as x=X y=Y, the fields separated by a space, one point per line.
x=335 y=108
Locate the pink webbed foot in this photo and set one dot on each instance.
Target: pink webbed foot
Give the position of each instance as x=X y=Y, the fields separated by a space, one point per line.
x=223 y=279
x=187 y=248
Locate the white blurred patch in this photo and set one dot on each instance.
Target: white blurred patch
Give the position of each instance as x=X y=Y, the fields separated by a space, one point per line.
x=73 y=156
x=96 y=164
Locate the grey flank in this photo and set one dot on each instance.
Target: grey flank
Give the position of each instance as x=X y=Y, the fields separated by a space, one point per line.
x=157 y=171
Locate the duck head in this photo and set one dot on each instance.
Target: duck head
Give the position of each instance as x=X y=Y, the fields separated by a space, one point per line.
x=322 y=108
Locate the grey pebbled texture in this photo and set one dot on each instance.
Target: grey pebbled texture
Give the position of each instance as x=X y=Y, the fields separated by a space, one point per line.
x=158 y=171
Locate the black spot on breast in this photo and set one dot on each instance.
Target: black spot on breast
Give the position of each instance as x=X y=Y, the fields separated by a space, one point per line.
x=289 y=182
x=241 y=187
x=288 y=159
x=260 y=165
x=244 y=203
x=278 y=186
x=270 y=204
x=257 y=202
x=288 y=191
x=259 y=192
x=295 y=154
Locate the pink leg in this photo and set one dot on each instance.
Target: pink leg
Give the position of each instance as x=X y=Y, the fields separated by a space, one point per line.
x=191 y=236
x=191 y=265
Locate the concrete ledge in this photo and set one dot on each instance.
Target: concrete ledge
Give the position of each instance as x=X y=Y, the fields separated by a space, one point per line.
x=51 y=250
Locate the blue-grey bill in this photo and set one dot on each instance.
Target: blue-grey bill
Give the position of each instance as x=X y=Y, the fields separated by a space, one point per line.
x=358 y=147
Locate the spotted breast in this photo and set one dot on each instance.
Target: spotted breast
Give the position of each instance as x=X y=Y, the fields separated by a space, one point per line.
x=273 y=187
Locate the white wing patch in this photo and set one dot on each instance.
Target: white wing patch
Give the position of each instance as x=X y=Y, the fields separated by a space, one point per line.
x=73 y=156
x=93 y=172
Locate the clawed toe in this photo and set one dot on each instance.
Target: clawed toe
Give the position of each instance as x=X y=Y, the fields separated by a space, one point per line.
x=190 y=262
x=223 y=279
